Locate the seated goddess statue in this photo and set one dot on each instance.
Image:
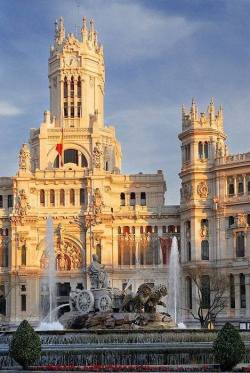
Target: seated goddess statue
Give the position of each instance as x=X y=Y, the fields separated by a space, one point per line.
x=97 y=274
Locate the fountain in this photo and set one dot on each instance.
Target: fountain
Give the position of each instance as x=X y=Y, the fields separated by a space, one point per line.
x=174 y=282
x=50 y=322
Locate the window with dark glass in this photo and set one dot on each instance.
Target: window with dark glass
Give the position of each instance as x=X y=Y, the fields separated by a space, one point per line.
x=206 y=149
x=248 y=219
x=205 y=291
x=23 y=255
x=171 y=229
x=52 y=197
x=82 y=196
x=79 y=87
x=71 y=156
x=65 y=110
x=122 y=199
x=143 y=199
x=65 y=88
x=204 y=250
x=240 y=188
x=200 y=149
x=132 y=199
x=242 y=291
x=231 y=189
x=23 y=302
x=62 y=197
x=10 y=200
x=2 y=301
x=42 y=197
x=164 y=229
x=78 y=109
x=1 y=202
x=232 y=291
x=248 y=187
x=72 y=87
x=240 y=244
x=72 y=110
x=230 y=221
x=189 y=253
x=155 y=229
x=63 y=289
x=72 y=196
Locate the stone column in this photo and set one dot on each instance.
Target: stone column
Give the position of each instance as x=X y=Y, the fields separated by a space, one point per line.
x=235 y=185
x=137 y=240
x=244 y=184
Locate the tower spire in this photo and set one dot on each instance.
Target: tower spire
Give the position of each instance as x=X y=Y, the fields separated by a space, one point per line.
x=59 y=31
x=84 y=29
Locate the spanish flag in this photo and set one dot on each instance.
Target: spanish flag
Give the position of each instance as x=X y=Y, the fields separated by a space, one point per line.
x=59 y=148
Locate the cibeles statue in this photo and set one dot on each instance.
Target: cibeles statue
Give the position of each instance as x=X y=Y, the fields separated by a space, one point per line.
x=97 y=274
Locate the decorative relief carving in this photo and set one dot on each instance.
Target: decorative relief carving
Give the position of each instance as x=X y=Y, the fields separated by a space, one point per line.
x=24 y=158
x=22 y=205
x=187 y=191
x=97 y=155
x=241 y=220
x=97 y=201
x=202 y=189
x=68 y=257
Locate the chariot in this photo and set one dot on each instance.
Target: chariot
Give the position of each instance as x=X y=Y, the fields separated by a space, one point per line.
x=100 y=300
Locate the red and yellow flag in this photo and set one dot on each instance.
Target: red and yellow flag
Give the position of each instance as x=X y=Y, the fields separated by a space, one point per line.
x=59 y=148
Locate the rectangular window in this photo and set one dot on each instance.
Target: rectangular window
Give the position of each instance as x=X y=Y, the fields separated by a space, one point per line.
x=1 y=202
x=23 y=302
x=232 y=291
x=66 y=114
x=82 y=196
x=189 y=293
x=143 y=199
x=189 y=255
x=240 y=244
x=242 y=291
x=231 y=189
x=205 y=291
x=10 y=200
x=79 y=109
x=248 y=187
x=240 y=188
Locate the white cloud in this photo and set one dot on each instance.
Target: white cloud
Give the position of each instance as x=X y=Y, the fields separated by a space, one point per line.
x=7 y=109
x=130 y=31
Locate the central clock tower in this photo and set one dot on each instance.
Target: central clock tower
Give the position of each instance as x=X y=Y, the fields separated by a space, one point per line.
x=76 y=78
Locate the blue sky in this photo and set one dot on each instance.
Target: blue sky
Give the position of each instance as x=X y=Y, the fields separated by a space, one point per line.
x=159 y=54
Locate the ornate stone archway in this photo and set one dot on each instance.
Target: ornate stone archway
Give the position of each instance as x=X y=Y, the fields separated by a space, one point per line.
x=69 y=256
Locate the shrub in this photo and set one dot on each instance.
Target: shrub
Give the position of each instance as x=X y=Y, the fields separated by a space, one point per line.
x=25 y=346
x=228 y=347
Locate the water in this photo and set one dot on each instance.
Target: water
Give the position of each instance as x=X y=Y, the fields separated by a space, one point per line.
x=174 y=282
x=51 y=322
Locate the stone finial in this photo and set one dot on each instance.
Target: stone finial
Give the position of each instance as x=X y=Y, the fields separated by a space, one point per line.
x=59 y=31
x=91 y=29
x=84 y=29
x=24 y=159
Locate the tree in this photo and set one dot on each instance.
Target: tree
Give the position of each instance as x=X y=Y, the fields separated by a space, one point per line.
x=228 y=348
x=25 y=346
x=209 y=290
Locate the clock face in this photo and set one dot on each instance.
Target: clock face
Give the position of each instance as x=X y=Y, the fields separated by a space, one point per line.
x=71 y=61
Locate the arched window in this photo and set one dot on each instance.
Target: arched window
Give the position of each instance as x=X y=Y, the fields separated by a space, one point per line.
x=82 y=196
x=148 y=229
x=122 y=199
x=200 y=149
x=72 y=87
x=242 y=291
x=79 y=87
x=62 y=197
x=232 y=291
x=205 y=291
x=71 y=156
x=126 y=230
x=65 y=88
x=204 y=250
x=206 y=150
x=23 y=255
x=52 y=197
x=132 y=199
x=143 y=199
x=72 y=110
x=240 y=244
x=79 y=109
x=72 y=197
x=189 y=292
x=42 y=197
x=230 y=221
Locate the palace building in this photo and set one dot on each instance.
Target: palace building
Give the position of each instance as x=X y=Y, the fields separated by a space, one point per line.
x=70 y=170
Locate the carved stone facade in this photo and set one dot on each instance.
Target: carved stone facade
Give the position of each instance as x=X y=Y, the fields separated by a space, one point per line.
x=96 y=209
